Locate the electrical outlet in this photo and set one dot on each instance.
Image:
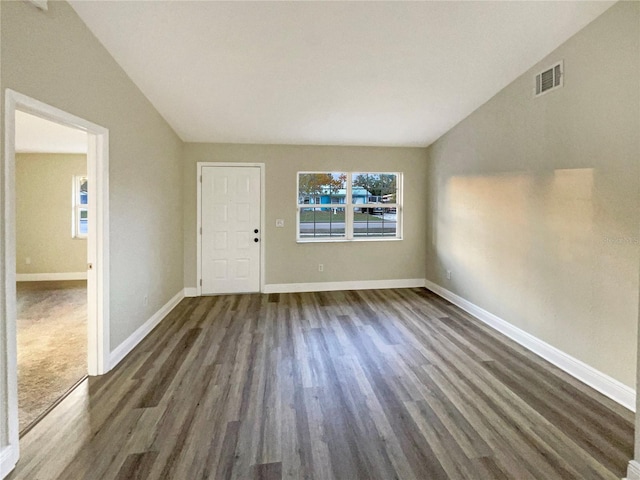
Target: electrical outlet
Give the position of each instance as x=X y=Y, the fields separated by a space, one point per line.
x=27 y=260
x=279 y=222
x=320 y=267
x=449 y=274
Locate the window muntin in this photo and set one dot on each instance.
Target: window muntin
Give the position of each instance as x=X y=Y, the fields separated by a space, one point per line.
x=382 y=223
x=322 y=222
x=80 y=213
x=371 y=206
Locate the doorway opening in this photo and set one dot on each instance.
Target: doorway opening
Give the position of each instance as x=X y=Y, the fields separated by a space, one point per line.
x=26 y=290
x=51 y=193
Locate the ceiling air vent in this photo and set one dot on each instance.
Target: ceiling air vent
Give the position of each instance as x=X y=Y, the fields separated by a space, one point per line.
x=549 y=79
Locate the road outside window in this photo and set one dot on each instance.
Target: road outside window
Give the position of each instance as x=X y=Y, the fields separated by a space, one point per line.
x=349 y=206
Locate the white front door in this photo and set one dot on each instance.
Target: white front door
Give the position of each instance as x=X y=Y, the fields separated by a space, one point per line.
x=231 y=233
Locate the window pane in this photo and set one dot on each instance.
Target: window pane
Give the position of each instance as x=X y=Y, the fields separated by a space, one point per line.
x=322 y=222
x=83 y=224
x=374 y=187
x=83 y=191
x=375 y=222
x=322 y=188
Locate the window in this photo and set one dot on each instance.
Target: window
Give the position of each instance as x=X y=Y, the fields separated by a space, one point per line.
x=79 y=216
x=349 y=206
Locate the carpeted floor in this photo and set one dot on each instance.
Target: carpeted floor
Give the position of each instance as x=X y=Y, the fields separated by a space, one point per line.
x=52 y=343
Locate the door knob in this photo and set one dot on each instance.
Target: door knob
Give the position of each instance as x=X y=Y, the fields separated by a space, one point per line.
x=256 y=240
x=255 y=231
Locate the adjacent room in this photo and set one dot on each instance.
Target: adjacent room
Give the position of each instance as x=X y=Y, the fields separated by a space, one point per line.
x=51 y=262
x=329 y=240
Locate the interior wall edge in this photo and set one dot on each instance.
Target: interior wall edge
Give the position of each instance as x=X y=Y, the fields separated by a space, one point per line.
x=121 y=351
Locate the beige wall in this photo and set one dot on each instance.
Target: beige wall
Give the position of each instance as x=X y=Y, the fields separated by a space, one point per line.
x=290 y=262
x=53 y=57
x=535 y=202
x=44 y=213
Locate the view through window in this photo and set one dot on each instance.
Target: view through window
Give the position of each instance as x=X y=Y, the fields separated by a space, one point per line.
x=80 y=207
x=349 y=205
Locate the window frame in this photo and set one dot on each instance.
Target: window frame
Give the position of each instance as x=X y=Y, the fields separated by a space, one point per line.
x=77 y=207
x=350 y=207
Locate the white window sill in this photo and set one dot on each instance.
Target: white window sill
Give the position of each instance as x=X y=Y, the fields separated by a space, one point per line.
x=346 y=240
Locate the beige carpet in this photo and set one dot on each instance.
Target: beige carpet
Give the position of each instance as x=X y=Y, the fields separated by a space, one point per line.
x=52 y=343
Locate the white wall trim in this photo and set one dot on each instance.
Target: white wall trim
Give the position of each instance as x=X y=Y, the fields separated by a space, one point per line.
x=190 y=292
x=348 y=285
x=633 y=470
x=98 y=238
x=601 y=382
x=8 y=460
x=45 y=277
x=136 y=337
x=97 y=251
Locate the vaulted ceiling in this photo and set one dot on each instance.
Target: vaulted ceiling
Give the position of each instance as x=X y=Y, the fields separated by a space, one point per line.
x=339 y=73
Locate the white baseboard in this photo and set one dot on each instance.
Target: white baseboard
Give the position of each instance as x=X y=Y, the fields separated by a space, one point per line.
x=601 y=382
x=46 y=277
x=190 y=292
x=350 y=285
x=633 y=470
x=8 y=459
x=136 y=337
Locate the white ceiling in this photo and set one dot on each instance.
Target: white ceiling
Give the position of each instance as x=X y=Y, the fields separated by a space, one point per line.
x=34 y=134
x=339 y=73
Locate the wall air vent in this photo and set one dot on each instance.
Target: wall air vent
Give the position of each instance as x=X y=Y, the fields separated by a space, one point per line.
x=549 y=79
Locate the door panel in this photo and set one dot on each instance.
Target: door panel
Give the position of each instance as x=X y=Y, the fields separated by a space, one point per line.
x=230 y=214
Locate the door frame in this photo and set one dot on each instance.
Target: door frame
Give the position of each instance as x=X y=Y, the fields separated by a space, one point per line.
x=200 y=166
x=98 y=346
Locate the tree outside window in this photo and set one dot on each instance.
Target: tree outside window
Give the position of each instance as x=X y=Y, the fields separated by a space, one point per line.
x=348 y=206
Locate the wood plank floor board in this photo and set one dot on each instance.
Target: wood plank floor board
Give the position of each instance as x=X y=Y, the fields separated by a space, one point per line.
x=492 y=428
x=511 y=348
x=452 y=456
x=497 y=404
x=317 y=434
x=137 y=466
x=268 y=471
x=422 y=458
x=381 y=384
x=583 y=422
x=534 y=370
x=355 y=407
x=489 y=468
x=501 y=401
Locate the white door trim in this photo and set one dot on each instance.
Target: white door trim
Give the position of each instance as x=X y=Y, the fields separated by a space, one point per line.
x=97 y=252
x=263 y=236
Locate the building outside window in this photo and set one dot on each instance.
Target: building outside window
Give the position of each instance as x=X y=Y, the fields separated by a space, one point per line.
x=370 y=206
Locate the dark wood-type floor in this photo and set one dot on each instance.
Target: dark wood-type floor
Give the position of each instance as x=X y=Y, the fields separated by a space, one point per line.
x=379 y=384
